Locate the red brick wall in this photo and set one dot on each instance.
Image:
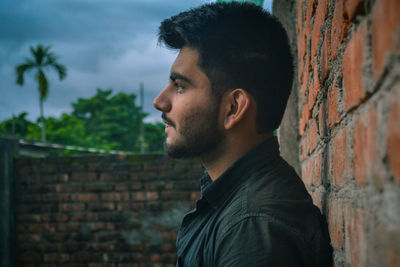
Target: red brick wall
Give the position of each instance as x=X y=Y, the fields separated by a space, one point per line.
x=349 y=106
x=102 y=211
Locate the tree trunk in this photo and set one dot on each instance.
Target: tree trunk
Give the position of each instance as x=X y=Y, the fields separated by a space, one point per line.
x=42 y=120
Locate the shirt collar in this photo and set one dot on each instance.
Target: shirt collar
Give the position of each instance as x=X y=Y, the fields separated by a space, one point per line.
x=216 y=192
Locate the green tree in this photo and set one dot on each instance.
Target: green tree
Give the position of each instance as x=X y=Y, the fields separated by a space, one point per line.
x=42 y=59
x=16 y=126
x=105 y=121
x=113 y=119
x=66 y=130
x=154 y=136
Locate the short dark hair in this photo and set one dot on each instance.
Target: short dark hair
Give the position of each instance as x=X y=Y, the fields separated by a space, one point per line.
x=240 y=45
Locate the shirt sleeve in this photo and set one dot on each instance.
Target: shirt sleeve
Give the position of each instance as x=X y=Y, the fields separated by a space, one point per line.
x=257 y=241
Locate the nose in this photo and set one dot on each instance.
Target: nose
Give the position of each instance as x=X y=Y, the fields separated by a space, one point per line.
x=162 y=102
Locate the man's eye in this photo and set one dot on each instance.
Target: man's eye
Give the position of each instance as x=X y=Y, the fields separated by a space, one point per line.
x=179 y=87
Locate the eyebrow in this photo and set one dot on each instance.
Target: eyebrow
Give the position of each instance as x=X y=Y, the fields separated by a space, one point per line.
x=176 y=76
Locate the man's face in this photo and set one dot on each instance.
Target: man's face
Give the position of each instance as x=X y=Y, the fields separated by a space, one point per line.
x=189 y=111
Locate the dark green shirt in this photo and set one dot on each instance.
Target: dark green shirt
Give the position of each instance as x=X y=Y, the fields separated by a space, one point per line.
x=257 y=213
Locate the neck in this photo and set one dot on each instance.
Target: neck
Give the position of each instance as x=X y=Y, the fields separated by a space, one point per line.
x=227 y=152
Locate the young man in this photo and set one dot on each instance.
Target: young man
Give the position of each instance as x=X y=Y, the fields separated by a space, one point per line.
x=227 y=93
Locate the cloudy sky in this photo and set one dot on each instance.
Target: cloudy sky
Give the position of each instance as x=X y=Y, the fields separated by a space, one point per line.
x=103 y=43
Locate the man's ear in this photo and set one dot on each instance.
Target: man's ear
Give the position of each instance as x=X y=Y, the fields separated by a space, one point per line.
x=236 y=104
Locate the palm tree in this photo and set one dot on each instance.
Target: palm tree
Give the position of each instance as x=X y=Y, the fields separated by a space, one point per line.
x=42 y=60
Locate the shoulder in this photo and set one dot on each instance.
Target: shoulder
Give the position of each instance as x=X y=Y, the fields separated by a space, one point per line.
x=272 y=197
x=257 y=240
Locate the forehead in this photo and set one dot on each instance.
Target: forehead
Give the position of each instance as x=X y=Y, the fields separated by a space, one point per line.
x=186 y=64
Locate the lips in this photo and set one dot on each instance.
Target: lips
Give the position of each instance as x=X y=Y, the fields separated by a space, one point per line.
x=167 y=121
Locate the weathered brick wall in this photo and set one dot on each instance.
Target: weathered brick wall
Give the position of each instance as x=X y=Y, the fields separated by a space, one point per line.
x=349 y=109
x=102 y=210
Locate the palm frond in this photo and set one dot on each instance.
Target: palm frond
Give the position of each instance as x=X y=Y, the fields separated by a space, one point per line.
x=20 y=70
x=39 y=53
x=61 y=69
x=51 y=58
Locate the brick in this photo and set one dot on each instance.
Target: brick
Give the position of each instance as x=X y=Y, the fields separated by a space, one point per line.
x=171 y=236
x=339 y=27
x=352 y=8
x=152 y=195
x=128 y=226
x=101 y=247
x=175 y=195
x=97 y=187
x=138 y=196
x=85 y=197
x=101 y=206
x=313 y=135
x=301 y=51
x=310 y=13
x=303 y=148
x=305 y=115
x=339 y=162
x=336 y=222
x=84 y=177
x=55 y=198
x=304 y=85
x=55 y=237
x=155 y=186
x=68 y=227
x=108 y=177
x=195 y=195
x=353 y=62
x=311 y=169
x=29 y=257
x=115 y=196
x=300 y=15
x=317 y=197
x=355 y=240
x=56 y=257
x=167 y=247
x=28 y=218
x=169 y=186
x=59 y=217
x=49 y=179
x=108 y=236
x=394 y=254
x=136 y=186
x=155 y=258
x=385 y=30
x=364 y=144
x=186 y=185
x=41 y=188
x=325 y=55
x=332 y=106
x=101 y=226
x=320 y=16
x=29 y=198
x=130 y=206
x=314 y=89
x=77 y=217
x=121 y=187
x=71 y=207
x=20 y=228
x=321 y=117
x=30 y=238
x=87 y=257
x=393 y=134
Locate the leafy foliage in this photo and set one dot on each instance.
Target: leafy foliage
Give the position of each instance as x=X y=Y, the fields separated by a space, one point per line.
x=103 y=121
x=16 y=126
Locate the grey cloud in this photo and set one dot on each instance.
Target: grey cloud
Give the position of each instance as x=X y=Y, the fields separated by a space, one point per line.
x=106 y=44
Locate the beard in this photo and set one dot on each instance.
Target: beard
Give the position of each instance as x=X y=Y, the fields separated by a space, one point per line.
x=199 y=134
